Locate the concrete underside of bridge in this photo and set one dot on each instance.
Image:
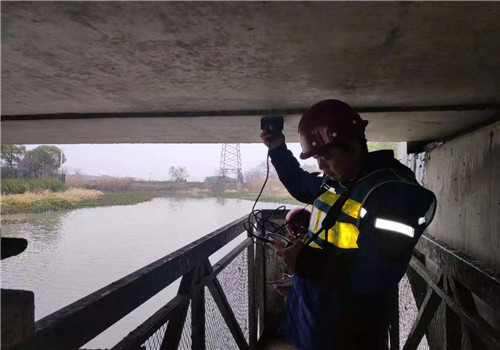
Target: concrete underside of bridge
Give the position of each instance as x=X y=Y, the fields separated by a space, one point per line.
x=90 y=72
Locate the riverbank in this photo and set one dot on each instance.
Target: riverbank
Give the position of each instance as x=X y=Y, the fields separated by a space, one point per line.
x=73 y=198
x=268 y=198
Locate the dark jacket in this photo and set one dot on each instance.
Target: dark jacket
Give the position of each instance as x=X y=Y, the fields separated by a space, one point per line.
x=341 y=298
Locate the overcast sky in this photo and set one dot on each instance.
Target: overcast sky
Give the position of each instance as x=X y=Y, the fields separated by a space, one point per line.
x=141 y=160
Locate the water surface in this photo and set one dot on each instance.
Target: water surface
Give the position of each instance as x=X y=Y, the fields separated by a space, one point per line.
x=73 y=253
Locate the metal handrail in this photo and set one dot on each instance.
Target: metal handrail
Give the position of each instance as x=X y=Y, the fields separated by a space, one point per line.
x=81 y=321
x=179 y=303
x=78 y=323
x=456 y=271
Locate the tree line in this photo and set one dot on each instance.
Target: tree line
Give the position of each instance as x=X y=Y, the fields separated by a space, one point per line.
x=41 y=162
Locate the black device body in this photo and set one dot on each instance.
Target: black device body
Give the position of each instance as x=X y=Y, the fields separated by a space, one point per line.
x=271 y=125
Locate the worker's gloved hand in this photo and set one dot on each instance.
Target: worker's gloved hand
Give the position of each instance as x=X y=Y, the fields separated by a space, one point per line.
x=272 y=141
x=289 y=255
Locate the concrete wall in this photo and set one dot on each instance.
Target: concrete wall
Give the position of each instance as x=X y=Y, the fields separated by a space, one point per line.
x=464 y=174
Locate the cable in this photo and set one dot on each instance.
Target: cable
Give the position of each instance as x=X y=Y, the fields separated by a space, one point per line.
x=264 y=184
x=261 y=224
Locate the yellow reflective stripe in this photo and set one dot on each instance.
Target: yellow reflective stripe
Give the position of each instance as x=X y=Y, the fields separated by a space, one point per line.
x=352 y=208
x=328 y=197
x=347 y=235
x=343 y=235
x=315 y=245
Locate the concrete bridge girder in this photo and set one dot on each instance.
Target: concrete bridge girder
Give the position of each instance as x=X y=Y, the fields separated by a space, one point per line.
x=388 y=126
x=155 y=57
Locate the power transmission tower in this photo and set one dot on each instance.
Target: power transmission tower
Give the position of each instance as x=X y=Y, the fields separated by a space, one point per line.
x=230 y=163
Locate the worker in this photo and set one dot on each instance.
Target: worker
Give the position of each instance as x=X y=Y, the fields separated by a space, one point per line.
x=369 y=212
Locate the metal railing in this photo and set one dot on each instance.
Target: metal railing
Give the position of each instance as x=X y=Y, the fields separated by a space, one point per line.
x=447 y=298
x=443 y=285
x=78 y=323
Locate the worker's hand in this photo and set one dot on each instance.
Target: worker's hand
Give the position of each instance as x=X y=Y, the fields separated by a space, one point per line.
x=284 y=291
x=290 y=254
x=277 y=244
x=272 y=141
x=280 y=245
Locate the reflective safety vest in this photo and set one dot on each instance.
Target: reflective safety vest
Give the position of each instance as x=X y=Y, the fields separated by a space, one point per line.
x=344 y=234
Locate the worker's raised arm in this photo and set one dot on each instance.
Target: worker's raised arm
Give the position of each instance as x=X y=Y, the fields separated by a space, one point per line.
x=302 y=185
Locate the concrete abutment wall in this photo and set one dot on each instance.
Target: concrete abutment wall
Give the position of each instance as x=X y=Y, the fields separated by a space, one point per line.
x=464 y=173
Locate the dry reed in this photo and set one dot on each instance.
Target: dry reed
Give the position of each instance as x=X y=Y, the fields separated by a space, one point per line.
x=72 y=195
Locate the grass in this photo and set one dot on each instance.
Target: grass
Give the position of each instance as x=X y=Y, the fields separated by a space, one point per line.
x=120 y=198
x=72 y=198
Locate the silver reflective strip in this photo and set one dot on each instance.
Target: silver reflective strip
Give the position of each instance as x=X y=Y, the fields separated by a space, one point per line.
x=362 y=212
x=395 y=226
x=421 y=221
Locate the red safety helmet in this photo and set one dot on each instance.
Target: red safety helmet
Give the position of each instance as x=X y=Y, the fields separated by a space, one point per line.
x=297 y=221
x=327 y=122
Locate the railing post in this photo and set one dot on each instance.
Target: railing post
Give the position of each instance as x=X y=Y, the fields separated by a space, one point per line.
x=173 y=333
x=252 y=319
x=453 y=326
x=175 y=327
x=260 y=279
x=430 y=305
x=198 y=320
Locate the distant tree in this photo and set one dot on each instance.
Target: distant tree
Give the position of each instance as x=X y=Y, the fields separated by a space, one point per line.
x=178 y=174
x=259 y=172
x=42 y=161
x=12 y=155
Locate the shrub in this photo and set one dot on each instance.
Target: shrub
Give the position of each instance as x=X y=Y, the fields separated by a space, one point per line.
x=17 y=186
x=14 y=186
x=53 y=185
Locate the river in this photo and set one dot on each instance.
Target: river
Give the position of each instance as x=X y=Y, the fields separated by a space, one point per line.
x=73 y=253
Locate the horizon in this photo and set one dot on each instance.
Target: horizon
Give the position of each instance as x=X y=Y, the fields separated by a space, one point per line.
x=151 y=162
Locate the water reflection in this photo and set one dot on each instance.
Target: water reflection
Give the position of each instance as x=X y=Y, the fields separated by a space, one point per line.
x=33 y=223
x=42 y=230
x=177 y=203
x=72 y=254
x=221 y=201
